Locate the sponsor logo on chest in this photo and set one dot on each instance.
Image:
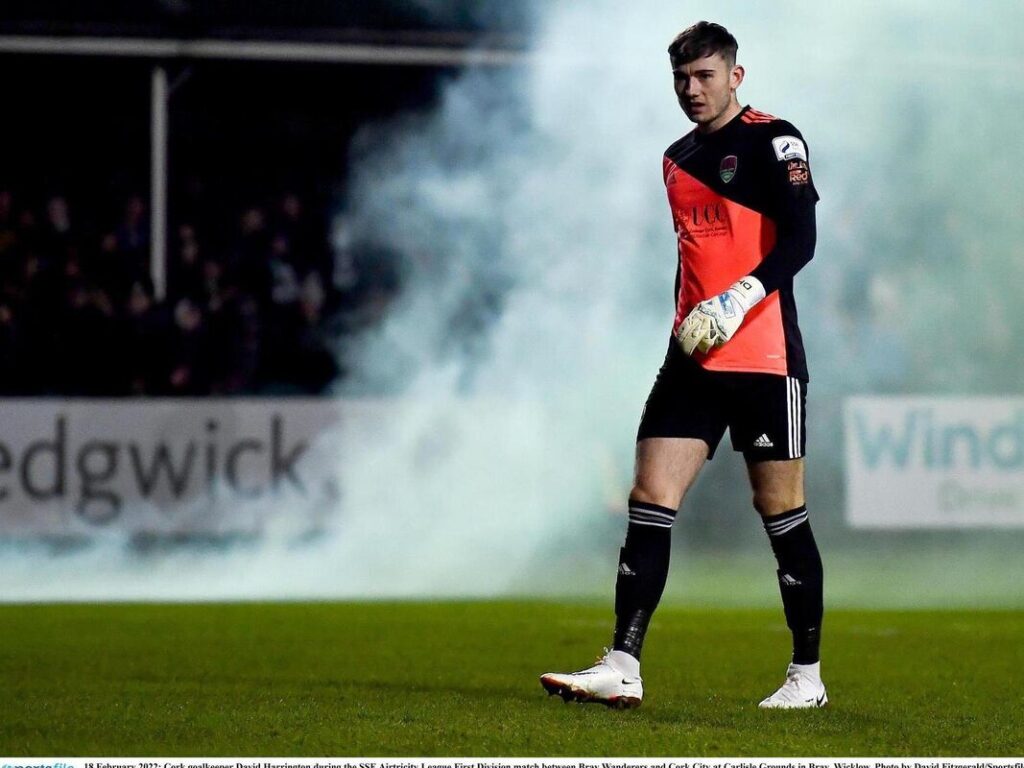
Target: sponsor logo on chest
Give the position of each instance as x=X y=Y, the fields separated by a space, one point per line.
x=703 y=220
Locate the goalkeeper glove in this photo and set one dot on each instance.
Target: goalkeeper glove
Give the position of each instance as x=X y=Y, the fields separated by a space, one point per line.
x=714 y=321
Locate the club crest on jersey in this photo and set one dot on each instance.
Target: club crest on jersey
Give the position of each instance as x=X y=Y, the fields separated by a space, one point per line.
x=728 y=168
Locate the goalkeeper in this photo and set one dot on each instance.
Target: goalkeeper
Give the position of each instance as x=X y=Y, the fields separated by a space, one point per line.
x=742 y=200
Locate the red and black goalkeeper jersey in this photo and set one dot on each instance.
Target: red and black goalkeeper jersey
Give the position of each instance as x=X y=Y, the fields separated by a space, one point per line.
x=742 y=202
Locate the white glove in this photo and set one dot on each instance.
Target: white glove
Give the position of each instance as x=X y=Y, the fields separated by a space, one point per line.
x=714 y=321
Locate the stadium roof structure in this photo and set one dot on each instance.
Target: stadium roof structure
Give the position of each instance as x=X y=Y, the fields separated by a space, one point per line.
x=471 y=21
x=426 y=33
x=262 y=50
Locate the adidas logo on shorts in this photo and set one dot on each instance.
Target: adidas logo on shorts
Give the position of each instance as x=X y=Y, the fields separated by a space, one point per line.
x=763 y=442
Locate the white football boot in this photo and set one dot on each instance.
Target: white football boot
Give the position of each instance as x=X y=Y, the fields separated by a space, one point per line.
x=610 y=682
x=803 y=689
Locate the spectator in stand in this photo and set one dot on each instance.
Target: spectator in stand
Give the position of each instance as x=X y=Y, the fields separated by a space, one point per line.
x=87 y=344
x=113 y=269
x=233 y=331
x=11 y=365
x=8 y=228
x=43 y=305
x=145 y=342
x=58 y=239
x=305 y=236
x=28 y=235
x=186 y=271
x=282 y=327
x=10 y=261
x=133 y=233
x=315 y=366
x=188 y=352
x=250 y=263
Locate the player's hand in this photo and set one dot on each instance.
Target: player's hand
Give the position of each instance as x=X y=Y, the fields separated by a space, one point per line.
x=714 y=321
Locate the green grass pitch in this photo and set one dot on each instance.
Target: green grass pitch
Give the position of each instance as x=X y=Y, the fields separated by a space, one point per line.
x=460 y=678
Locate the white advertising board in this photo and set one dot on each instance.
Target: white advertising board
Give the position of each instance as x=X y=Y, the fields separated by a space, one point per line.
x=934 y=462
x=166 y=465
x=283 y=497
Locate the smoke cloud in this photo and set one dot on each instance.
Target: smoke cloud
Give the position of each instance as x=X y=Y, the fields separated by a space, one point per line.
x=537 y=266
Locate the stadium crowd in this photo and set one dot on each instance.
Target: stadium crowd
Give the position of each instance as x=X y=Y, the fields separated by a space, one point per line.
x=255 y=304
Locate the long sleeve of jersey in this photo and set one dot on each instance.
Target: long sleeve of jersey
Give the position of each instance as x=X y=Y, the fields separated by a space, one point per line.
x=793 y=198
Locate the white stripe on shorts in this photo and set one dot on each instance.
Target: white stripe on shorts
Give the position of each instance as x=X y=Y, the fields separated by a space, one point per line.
x=793 y=416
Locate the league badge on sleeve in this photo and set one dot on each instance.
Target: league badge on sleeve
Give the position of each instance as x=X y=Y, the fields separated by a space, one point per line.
x=789 y=148
x=728 y=168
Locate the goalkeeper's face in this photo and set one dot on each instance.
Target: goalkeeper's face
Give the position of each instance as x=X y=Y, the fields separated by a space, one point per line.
x=706 y=89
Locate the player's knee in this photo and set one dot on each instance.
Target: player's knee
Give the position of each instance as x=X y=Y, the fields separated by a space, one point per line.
x=652 y=494
x=775 y=502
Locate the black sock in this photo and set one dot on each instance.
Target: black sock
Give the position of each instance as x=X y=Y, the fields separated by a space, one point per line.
x=800 y=580
x=643 y=569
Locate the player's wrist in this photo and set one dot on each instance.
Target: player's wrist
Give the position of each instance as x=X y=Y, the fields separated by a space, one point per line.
x=747 y=291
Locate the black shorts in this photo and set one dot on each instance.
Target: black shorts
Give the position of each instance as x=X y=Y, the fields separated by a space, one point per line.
x=764 y=412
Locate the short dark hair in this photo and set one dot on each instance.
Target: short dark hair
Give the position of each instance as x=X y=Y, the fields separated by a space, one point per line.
x=705 y=38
